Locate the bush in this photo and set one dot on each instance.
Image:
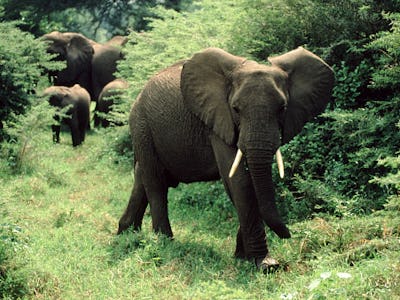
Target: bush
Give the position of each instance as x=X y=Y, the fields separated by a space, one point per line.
x=337 y=156
x=23 y=64
x=13 y=284
x=175 y=36
x=22 y=132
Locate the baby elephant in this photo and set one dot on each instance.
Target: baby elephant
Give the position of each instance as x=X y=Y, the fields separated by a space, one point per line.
x=77 y=99
x=108 y=97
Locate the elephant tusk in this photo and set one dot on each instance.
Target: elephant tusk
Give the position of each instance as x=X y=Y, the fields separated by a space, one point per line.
x=236 y=163
x=279 y=161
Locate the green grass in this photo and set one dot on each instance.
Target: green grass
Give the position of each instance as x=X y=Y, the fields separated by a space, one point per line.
x=59 y=219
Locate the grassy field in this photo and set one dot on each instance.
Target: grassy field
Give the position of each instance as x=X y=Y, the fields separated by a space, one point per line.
x=59 y=217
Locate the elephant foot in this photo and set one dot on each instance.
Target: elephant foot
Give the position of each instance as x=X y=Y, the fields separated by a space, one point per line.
x=267 y=264
x=122 y=226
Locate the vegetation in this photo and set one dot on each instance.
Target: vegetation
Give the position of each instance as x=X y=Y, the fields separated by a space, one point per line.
x=60 y=206
x=58 y=234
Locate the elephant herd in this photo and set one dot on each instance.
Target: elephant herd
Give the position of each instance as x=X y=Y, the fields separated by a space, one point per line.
x=212 y=116
x=88 y=76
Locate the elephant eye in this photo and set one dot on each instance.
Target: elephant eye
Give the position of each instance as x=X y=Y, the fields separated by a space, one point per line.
x=282 y=110
x=235 y=107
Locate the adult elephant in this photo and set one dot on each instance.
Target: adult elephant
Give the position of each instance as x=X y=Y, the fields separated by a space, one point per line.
x=108 y=96
x=76 y=101
x=193 y=117
x=89 y=64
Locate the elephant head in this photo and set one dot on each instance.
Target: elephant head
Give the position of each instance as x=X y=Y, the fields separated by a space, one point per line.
x=257 y=108
x=77 y=51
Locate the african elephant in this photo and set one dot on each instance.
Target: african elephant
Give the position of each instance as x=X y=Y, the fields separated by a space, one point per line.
x=191 y=119
x=89 y=64
x=108 y=95
x=78 y=113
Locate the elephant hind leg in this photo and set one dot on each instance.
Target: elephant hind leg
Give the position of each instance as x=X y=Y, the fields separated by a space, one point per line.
x=136 y=207
x=156 y=190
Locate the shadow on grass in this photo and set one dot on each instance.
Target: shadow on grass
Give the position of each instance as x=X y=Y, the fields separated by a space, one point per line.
x=147 y=248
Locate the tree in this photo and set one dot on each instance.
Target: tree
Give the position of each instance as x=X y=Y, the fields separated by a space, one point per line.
x=99 y=20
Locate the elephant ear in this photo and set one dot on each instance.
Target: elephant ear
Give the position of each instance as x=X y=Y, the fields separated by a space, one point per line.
x=205 y=85
x=79 y=54
x=310 y=88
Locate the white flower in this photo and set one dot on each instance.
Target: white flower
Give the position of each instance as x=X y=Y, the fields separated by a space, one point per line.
x=314 y=284
x=343 y=275
x=326 y=275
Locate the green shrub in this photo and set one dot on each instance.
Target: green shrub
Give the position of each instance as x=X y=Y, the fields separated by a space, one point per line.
x=336 y=157
x=22 y=70
x=349 y=83
x=205 y=196
x=119 y=146
x=174 y=36
x=13 y=284
x=22 y=132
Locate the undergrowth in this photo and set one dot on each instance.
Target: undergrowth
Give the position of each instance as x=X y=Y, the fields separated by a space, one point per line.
x=58 y=240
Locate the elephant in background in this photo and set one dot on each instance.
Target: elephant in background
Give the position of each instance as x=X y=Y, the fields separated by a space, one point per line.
x=76 y=101
x=89 y=64
x=217 y=115
x=110 y=93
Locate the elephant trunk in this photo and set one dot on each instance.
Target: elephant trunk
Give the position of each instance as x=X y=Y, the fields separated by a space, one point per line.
x=259 y=138
x=259 y=162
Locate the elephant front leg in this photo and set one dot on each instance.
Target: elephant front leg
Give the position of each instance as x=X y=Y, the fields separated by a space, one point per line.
x=56 y=133
x=75 y=132
x=56 y=128
x=251 y=240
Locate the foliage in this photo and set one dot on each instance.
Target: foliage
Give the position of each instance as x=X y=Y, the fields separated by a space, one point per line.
x=391 y=179
x=387 y=77
x=388 y=43
x=98 y=20
x=337 y=156
x=267 y=27
x=150 y=52
x=13 y=283
x=23 y=64
x=348 y=85
x=279 y=26
x=20 y=147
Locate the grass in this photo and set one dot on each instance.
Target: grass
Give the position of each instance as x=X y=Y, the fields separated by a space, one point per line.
x=57 y=236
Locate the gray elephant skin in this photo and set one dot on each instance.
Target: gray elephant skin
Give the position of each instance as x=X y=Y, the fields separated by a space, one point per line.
x=193 y=117
x=108 y=96
x=90 y=64
x=76 y=101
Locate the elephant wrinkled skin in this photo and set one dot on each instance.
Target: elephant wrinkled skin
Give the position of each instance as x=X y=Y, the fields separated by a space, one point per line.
x=191 y=118
x=77 y=99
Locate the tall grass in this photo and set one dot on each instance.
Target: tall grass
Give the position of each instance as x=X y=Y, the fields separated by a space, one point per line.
x=58 y=231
